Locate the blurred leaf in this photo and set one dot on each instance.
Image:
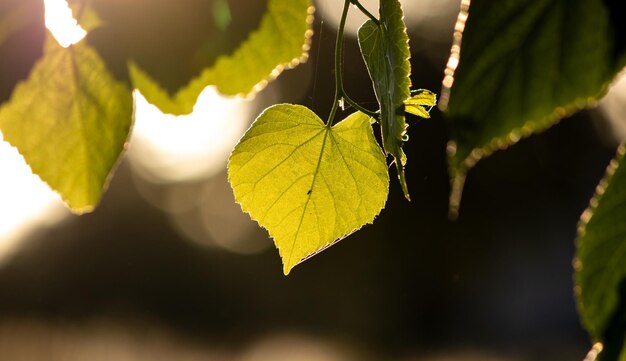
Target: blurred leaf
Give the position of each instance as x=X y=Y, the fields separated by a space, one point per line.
x=172 y=41
x=85 y=14
x=419 y=101
x=22 y=33
x=525 y=64
x=70 y=121
x=601 y=262
x=308 y=184
x=385 y=48
x=281 y=42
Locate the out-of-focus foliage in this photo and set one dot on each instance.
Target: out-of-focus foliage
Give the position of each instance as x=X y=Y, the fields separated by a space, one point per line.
x=525 y=64
x=259 y=59
x=601 y=262
x=72 y=116
x=70 y=121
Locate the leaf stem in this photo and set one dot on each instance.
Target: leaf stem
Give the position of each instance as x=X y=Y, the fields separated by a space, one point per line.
x=357 y=3
x=338 y=63
x=356 y=106
x=339 y=89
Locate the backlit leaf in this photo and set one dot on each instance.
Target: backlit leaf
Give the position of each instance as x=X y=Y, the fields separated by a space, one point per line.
x=601 y=263
x=526 y=64
x=385 y=49
x=70 y=120
x=282 y=41
x=420 y=103
x=308 y=184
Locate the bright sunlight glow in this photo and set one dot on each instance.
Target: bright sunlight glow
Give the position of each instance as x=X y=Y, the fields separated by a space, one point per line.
x=25 y=201
x=61 y=23
x=166 y=148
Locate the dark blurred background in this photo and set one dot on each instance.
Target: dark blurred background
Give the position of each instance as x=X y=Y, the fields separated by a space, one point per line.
x=169 y=268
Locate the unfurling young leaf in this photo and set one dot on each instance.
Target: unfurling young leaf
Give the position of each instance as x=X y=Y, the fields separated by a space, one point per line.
x=308 y=184
x=385 y=49
x=70 y=120
x=419 y=101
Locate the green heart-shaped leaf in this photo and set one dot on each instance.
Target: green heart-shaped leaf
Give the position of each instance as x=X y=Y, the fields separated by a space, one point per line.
x=308 y=184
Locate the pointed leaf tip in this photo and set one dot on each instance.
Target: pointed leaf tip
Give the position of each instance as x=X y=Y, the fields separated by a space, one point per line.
x=70 y=120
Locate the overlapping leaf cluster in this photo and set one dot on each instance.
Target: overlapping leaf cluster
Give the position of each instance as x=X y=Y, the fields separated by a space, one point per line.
x=311 y=184
x=70 y=111
x=524 y=66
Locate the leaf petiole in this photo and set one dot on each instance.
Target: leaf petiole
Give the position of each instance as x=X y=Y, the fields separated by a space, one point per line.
x=339 y=89
x=357 y=3
x=356 y=106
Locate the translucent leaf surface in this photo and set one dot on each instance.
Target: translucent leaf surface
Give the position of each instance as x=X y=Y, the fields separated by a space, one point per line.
x=70 y=120
x=282 y=41
x=420 y=103
x=601 y=262
x=308 y=184
x=525 y=64
x=385 y=49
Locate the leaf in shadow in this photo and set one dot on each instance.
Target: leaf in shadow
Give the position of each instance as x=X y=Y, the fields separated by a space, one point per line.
x=525 y=64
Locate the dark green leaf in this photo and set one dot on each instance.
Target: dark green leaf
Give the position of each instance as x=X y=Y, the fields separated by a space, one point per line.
x=70 y=121
x=385 y=49
x=601 y=262
x=525 y=64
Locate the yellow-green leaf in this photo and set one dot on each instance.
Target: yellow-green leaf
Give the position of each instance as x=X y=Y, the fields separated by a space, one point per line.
x=385 y=49
x=282 y=41
x=419 y=102
x=308 y=184
x=70 y=120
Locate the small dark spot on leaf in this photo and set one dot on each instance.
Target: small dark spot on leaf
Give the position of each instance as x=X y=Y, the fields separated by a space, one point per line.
x=309 y=192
